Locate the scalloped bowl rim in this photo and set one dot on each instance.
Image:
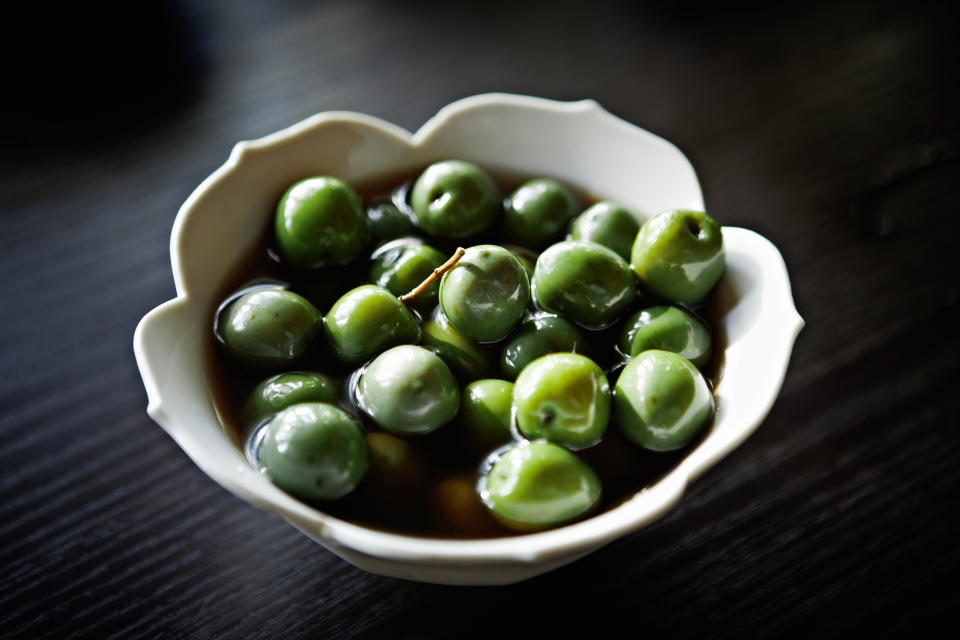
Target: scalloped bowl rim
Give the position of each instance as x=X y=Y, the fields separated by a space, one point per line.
x=569 y=541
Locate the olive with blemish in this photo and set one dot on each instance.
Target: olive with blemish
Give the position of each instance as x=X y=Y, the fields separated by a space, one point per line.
x=563 y=397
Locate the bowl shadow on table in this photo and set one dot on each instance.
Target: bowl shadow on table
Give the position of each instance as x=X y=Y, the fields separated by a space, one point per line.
x=621 y=583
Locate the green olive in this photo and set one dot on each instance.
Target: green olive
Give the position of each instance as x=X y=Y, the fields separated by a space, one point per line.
x=268 y=328
x=408 y=390
x=484 y=415
x=401 y=265
x=537 y=336
x=563 y=397
x=454 y=199
x=527 y=258
x=468 y=360
x=314 y=451
x=669 y=329
x=679 y=255
x=386 y=222
x=283 y=390
x=319 y=221
x=538 y=212
x=609 y=224
x=661 y=401
x=366 y=320
x=583 y=282
x=536 y=485
x=485 y=294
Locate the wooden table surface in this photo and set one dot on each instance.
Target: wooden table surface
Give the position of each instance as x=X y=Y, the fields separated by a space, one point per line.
x=829 y=127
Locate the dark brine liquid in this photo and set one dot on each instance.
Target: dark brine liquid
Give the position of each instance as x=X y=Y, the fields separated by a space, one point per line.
x=435 y=496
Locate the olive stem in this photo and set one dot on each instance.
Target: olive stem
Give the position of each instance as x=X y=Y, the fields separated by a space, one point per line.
x=439 y=271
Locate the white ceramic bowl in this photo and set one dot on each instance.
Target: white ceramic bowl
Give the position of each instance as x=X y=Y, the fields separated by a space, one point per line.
x=577 y=142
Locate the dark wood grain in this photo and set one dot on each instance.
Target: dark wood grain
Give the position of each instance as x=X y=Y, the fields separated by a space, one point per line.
x=830 y=127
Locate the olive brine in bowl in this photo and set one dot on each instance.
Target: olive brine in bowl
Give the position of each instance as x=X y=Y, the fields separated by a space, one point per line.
x=462 y=356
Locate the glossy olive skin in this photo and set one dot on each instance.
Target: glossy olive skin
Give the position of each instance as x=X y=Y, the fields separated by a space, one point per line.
x=366 y=320
x=679 y=255
x=285 y=389
x=484 y=416
x=538 y=212
x=537 y=336
x=319 y=221
x=454 y=199
x=563 y=397
x=486 y=293
x=466 y=359
x=669 y=329
x=314 y=451
x=386 y=222
x=584 y=282
x=536 y=485
x=408 y=390
x=661 y=401
x=609 y=224
x=527 y=258
x=268 y=328
x=400 y=266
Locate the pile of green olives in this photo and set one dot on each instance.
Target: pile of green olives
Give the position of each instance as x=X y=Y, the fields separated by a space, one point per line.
x=447 y=357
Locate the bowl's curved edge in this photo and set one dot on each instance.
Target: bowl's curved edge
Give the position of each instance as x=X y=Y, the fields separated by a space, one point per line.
x=147 y=364
x=539 y=547
x=236 y=476
x=485 y=100
x=779 y=350
x=582 y=108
